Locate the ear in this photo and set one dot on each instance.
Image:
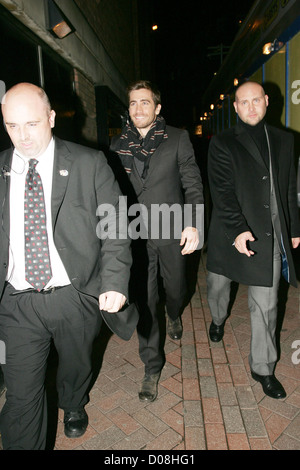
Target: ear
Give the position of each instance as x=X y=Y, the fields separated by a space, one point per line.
x=157 y=109
x=267 y=100
x=52 y=118
x=235 y=106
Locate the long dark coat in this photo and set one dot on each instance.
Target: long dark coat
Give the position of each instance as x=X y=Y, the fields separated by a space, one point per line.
x=240 y=189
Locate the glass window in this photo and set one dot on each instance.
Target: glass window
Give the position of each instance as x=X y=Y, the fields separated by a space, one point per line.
x=58 y=84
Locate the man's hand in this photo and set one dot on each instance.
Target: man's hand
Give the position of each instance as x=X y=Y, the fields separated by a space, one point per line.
x=240 y=243
x=190 y=240
x=295 y=242
x=111 y=301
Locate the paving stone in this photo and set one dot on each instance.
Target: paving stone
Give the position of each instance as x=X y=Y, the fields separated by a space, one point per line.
x=215 y=437
x=293 y=428
x=285 y=442
x=253 y=423
x=192 y=414
x=195 y=438
x=208 y=387
x=227 y=394
x=238 y=442
x=151 y=422
x=166 y=441
x=233 y=419
x=136 y=441
x=245 y=396
x=207 y=399
x=191 y=389
x=104 y=440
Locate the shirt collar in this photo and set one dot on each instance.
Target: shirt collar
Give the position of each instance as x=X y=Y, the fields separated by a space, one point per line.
x=20 y=162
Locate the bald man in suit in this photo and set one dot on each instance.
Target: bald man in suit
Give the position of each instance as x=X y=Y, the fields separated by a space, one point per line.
x=85 y=277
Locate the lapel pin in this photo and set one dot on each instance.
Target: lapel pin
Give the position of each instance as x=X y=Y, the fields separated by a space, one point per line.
x=63 y=172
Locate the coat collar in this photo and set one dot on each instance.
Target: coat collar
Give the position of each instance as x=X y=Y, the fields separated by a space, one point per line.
x=248 y=143
x=61 y=173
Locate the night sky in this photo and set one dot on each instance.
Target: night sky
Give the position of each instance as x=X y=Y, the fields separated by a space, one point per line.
x=181 y=46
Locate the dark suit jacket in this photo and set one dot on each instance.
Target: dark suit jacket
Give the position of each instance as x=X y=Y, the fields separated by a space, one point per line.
x=173 y=178
x=240 y=189
x=82 y=180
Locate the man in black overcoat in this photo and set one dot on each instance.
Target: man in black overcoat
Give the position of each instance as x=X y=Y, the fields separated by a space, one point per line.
x=254 y=225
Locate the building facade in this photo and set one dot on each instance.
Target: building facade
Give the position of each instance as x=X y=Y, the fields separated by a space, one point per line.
x=85 y=73
x=265 y=50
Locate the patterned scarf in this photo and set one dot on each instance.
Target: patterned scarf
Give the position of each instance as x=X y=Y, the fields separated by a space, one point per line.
x=133 y=145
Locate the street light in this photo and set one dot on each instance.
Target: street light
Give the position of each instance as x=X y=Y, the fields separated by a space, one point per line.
x=56 y=21
x=272 y=47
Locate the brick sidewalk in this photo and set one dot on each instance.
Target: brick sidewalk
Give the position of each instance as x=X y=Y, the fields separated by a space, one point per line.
x=207 y=400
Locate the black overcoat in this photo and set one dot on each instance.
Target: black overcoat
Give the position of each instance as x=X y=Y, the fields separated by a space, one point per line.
x=240 y=189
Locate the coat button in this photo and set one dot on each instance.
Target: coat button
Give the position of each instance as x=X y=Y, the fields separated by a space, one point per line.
x=265 y=177
x=268 y=234
x=266 y=206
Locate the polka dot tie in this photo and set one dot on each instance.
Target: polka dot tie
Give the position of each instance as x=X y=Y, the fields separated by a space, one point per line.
x=37 y=261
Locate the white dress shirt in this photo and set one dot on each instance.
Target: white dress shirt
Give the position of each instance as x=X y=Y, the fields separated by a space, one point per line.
x=16 y=266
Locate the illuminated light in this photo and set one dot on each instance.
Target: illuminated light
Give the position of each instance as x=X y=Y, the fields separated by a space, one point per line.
x=198 y=130
x=272 y=47
x=222 y=97
x=57 y=23
x=212 y=106
x=154 y=27
x=235 y=82
x=267 y=49
x=61 y=30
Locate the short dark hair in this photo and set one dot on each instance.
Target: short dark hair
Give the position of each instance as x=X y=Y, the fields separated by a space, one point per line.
x=139 y=84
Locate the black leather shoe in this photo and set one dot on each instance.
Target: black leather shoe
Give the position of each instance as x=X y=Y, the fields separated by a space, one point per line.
x=75 y=422
x=174 y=328
x=271 y=386
x=149 y=387
x=216 y=332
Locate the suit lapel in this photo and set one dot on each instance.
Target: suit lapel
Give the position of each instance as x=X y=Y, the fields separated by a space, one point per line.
x=154 y=157
x=248 y=143
x=61 y=174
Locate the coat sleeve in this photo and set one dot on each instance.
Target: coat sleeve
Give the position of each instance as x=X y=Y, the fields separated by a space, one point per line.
x=190 y=179
x=222 y=188
x=112 y=230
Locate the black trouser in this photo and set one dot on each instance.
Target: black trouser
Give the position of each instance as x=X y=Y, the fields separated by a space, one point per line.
x=170 y=263
x=28 y=323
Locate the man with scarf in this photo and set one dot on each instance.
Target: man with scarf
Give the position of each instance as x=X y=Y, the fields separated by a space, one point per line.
x=160 y=164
